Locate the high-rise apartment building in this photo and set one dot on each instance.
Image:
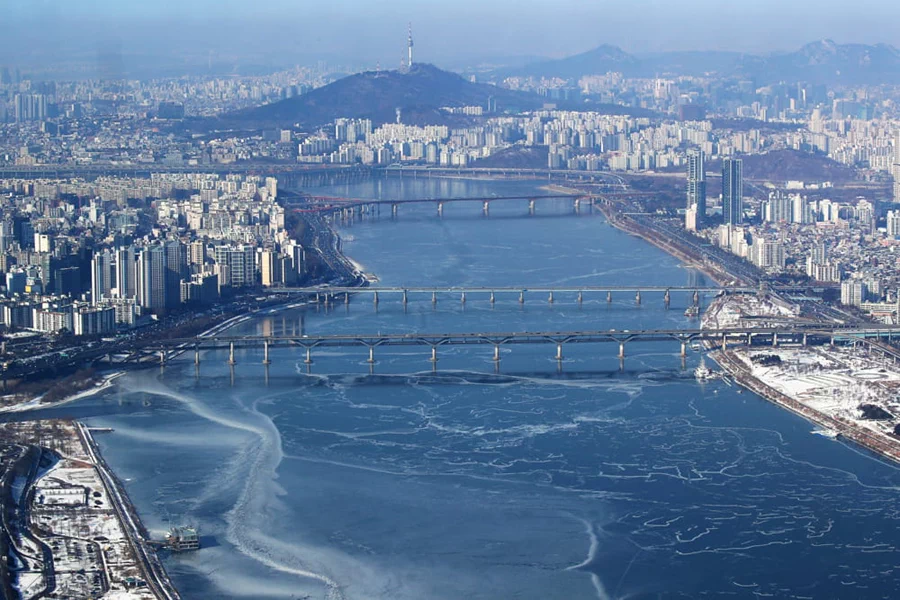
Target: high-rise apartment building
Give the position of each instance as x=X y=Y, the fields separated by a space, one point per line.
x=176 y=271
x=151 y=278
x=733 y=191
x=893 y=223
x=102 y=276
x=696 y=184
x=240 y=262
x=126 y=273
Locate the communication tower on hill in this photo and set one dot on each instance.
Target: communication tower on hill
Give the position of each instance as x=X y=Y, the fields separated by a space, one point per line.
x=409 y=48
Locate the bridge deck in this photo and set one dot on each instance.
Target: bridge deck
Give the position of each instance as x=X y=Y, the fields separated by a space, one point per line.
x=510 y=289
x=506 y=338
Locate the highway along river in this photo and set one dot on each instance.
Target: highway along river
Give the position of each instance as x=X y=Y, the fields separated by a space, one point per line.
x=584 y=481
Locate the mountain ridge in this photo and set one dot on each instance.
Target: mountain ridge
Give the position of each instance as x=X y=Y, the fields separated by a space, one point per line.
x=822 y=61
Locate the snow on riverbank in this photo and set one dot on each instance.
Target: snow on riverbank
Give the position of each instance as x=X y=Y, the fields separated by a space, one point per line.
x=835 y=381
x=105 y=383
x=747 y=310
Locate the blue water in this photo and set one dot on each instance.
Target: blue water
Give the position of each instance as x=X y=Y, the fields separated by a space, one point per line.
x=589 y=480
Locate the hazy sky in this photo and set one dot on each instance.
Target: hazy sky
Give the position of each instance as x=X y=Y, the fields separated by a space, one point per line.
x=445 y=31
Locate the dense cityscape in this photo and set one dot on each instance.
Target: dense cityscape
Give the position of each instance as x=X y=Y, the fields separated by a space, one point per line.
x=151 y=225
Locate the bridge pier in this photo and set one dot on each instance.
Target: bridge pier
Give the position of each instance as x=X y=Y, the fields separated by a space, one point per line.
x=347 y=298
x=637 y=298
x=621 y=350
x=667 y=299
x=486 y=208
x=371 y=359
x=531 y=207
x=559 y=354
x=462 y=299
x=375 y=298
x=696 y=298
x=522 y=297
x=405 y=298
x=440 y=209
x=197 y=356
x=724 y=342
x=266 y=360
x=576 y=204
x=162 y=357
x=496 y=353
x=580 y=298
x=609 y=297
x=683 y=349
x=550 y=299
x=492 y=298
x=804 y=339
x=434 y=298
x=231 y=360
x=434 y=357
x=774 y=340
x=308 y=359
x=394 y=210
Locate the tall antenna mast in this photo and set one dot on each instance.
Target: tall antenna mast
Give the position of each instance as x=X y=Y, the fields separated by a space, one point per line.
x=409 y=62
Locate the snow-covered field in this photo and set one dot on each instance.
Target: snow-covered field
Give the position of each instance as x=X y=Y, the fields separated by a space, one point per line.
x=71 y=514
x=747 y=310
x=835 y=381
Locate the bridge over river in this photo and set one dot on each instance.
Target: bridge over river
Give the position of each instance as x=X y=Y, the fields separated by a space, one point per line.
x=164 y=350
x=551 y=294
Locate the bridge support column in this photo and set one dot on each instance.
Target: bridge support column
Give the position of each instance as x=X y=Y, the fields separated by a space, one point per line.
x=434 y=298
x=492 y=298
x=522 y=297
x=497 y=353
x=724 y=342
x=393 y=210
x=774 y=340
x=434 y=357
x=609 y=297
x=667 y=299
x=683 y=349
x=162 y=357
x=580 y=298
x=559 y=354
x=197 y=356
x=576 y=204
x=550 y=299
x=440 y=209
x=531 y=207
x=371 y=359
x=375 y=298
x=347 y=298
x=231 y=360
x=308 y=359
x=621 y=350
x=637 y=298
x=831 y=342
x=405 y=298
x=266 y=360
x=749 y=339
x=462 y=298
x=486 y=208
x=804 y=339
x=696 y=298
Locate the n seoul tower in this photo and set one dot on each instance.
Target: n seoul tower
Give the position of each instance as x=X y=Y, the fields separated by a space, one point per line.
x=409 y=48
